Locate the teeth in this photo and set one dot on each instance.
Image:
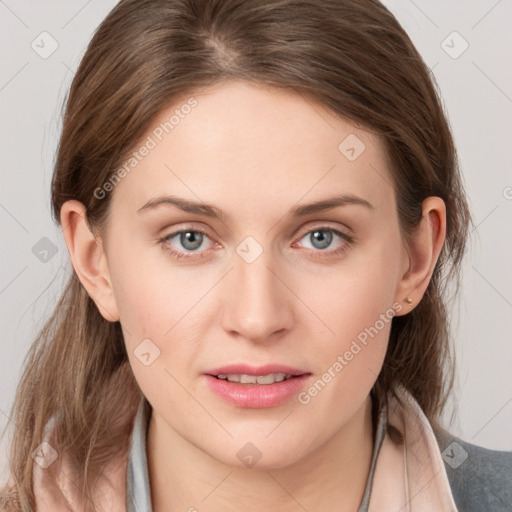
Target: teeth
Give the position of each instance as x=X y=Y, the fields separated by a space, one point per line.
x=253 y=379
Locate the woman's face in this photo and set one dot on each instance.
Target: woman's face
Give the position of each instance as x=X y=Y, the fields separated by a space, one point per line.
x=260 y=282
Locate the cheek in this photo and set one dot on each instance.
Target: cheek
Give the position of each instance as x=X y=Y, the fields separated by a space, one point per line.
x=162 y=304
x=354 y=308
x=353 y=295
x=153 y=309
x=349 y=360
x=149 y=293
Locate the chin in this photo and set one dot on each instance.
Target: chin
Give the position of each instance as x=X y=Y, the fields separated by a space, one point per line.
x=264 y=455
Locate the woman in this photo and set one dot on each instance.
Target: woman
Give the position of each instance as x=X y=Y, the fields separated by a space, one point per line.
x=262 y=206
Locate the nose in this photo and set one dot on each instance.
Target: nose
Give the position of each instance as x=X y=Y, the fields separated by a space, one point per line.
x=257 y=305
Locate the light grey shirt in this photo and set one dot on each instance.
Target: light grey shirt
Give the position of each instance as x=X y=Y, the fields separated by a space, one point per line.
x=138 y=496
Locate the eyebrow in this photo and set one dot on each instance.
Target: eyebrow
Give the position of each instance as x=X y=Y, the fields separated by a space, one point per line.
x=200 y=208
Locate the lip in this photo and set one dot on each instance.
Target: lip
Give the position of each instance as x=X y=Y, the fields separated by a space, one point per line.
x=256 y=396
x=256 y=370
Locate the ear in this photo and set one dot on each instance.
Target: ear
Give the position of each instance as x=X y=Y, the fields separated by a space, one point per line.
x=88 y=258
x=422 y=254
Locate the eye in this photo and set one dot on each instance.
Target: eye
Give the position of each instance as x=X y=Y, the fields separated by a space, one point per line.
x=193 y=243
x=322 y=238
x=186 y=241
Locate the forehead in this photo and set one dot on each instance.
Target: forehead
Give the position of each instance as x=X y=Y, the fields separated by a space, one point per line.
x=237 y=144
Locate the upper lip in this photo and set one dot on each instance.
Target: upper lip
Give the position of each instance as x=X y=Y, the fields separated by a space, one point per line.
x=245 y=369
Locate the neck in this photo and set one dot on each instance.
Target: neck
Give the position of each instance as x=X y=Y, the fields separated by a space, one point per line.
x=332 y=477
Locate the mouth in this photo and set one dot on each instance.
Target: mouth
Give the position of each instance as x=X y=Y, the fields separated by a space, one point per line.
x=256 y=387
x=242 y=378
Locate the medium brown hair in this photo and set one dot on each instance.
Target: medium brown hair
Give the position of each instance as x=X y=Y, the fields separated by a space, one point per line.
x=350 y=56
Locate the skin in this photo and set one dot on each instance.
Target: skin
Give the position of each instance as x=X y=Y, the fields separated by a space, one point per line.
x=255 y=153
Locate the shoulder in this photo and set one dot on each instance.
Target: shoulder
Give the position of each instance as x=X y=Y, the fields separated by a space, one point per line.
x=480 y=479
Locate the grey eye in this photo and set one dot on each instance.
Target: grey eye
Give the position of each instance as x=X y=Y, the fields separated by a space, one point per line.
x=190 y=240
x=320 y=238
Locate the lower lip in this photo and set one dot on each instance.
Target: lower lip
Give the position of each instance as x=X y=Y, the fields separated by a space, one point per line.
x=256 y=396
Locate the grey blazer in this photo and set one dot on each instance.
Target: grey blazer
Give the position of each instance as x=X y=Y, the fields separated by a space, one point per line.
x=480 y=479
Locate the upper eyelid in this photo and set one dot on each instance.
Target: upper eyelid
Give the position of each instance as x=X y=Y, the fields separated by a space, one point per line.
x=304 y=231
x=186 y=228
x=325 y=226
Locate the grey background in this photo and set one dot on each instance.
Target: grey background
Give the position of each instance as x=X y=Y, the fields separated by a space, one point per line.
x=476 y=91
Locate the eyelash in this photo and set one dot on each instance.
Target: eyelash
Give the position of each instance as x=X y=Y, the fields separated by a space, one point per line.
x=346 y=242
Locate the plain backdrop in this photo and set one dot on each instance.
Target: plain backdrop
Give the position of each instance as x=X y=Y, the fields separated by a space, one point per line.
x=467 y=44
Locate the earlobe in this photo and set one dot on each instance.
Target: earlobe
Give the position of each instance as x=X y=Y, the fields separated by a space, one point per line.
x=88 y=258
x=422 y=253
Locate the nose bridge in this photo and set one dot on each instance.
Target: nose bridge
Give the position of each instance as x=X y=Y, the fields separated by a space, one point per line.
x=256 y=303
